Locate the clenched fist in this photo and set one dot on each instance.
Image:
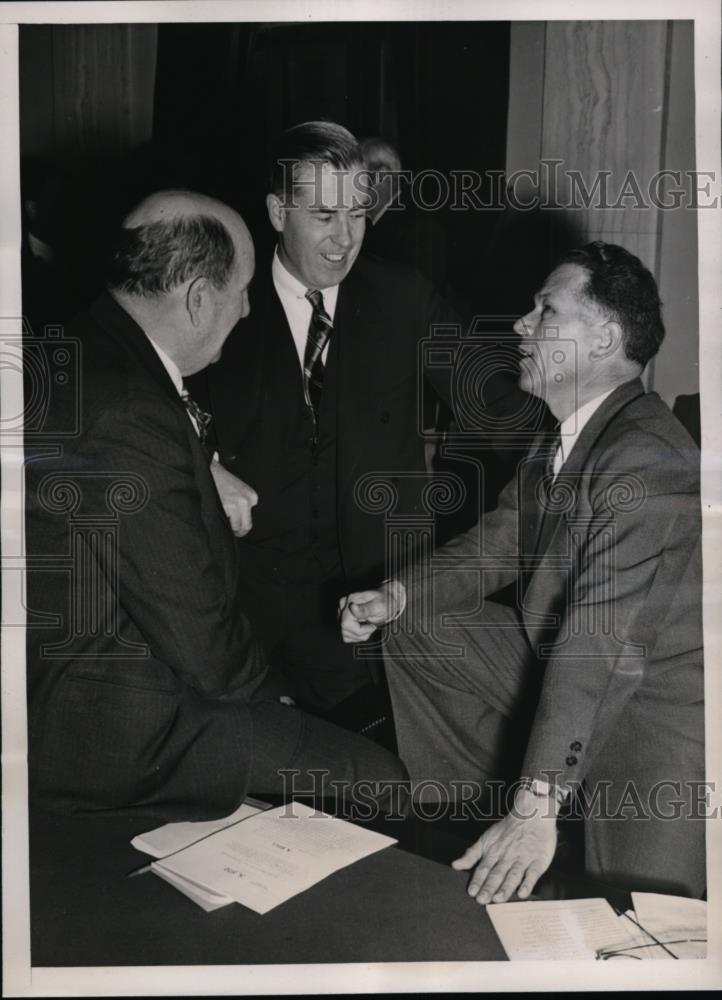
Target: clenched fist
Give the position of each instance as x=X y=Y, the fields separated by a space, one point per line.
x=361 y=613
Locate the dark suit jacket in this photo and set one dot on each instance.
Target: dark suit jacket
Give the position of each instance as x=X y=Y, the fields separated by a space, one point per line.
x=382 y=314
x=140 y=671
x=609 y=591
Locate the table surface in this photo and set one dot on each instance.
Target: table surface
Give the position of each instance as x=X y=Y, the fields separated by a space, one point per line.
x=394 y=906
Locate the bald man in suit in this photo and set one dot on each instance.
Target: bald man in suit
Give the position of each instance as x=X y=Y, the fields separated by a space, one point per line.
x=147 y=690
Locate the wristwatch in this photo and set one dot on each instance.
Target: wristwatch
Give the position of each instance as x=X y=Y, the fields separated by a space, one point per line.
x=543 y=790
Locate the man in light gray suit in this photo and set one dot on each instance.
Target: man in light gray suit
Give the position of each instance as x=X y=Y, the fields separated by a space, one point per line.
x=584 y=673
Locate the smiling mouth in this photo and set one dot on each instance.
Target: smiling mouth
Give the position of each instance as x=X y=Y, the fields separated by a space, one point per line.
x=334 y=258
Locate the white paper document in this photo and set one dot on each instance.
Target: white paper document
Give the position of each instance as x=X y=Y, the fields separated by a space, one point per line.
x=680 y=923
x=272 y=856
x=557 y=929
x=173 y=837
x=203 y=897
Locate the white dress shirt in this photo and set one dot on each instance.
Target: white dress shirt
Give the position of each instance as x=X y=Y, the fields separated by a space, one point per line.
x=573 y=426
x=296 y=306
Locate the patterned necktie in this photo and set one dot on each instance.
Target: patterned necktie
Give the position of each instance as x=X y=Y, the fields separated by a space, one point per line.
x=201 y=419
x=319 y=330
x=555 y=443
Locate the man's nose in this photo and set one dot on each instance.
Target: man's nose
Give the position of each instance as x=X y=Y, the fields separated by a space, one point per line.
x=524 y=325
x=342 y=230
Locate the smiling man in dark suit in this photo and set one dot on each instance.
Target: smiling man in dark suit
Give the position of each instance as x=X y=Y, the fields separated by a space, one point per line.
x=561 y=638
x=147 y=689
x=303 y=429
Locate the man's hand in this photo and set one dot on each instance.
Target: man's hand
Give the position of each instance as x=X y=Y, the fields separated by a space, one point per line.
x=514 y=853
x=366 y=610
x=237 y=497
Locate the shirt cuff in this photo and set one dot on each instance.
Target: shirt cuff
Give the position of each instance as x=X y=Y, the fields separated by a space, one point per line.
x=398 y=592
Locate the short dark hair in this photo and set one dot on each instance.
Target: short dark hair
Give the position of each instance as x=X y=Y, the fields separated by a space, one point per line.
x=311 y=142
x=156 y=258
x=621 y=284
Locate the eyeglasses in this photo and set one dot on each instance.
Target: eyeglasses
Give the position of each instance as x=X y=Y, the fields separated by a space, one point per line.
x=605 y=953
x=678 y=936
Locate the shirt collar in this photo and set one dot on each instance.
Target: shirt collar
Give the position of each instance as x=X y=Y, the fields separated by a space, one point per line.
x=286 y=283
x=170 y=366
x=573 y=426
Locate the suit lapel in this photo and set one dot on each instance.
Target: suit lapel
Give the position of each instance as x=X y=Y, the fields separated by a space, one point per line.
x=361 y=328
x=564 y=495
x=357 y=321
x=130 y=340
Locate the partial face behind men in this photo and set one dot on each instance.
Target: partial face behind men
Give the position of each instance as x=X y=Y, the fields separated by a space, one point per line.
x=557 y=337
x=321 y=230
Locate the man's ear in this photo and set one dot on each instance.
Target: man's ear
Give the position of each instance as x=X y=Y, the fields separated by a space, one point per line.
x=608 y=339
x=197 y=300
x=276 y=212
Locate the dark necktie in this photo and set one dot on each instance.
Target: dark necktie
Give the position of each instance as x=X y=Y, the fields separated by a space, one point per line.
x=555 y=443
x=319 y=330
x=536 y=481
x=201 y=418
x=545 y=496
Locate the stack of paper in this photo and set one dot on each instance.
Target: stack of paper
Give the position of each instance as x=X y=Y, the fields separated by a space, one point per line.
x=265 y=859
x=173 y=837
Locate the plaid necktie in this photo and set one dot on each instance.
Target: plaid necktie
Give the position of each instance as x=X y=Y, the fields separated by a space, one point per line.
x=319 y=330
x=201 y=419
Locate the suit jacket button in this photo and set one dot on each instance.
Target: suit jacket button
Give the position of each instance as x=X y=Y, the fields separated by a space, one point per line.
x=575 y=746
x=385 y=417
x=571 y=761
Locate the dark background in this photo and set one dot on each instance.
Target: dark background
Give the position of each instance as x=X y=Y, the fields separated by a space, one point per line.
x=438 y=91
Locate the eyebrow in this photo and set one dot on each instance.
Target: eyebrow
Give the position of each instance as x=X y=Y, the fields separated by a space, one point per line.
x=331 y=210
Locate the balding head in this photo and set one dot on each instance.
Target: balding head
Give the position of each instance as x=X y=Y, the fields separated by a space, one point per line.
x=175 y=235
x=164 y=205
x=180 y=266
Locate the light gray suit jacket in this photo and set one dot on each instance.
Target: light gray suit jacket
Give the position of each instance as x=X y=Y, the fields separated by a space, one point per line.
x=607 y=568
